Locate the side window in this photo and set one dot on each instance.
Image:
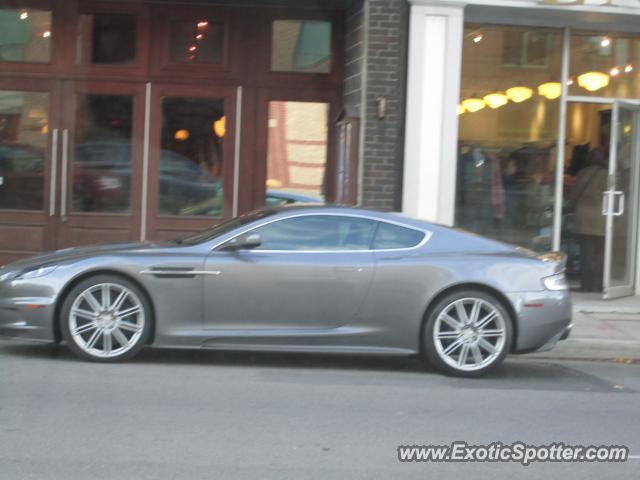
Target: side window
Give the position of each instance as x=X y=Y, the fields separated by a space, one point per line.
x=393 y=236
x=317 y=232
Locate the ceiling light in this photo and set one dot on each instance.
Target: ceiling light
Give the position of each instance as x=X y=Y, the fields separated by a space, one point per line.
x=628 y=68
x=46 y=34
x=605 y=42
x=193 y=48
x=202 y=24
x=593 y=81
x=24 y=15
x=220 y=127
x=181 y=135
x=550 y=90
x=477 y=38
x=519 y=94
x=614 y=72
x=495 y=100
x=570 y=82
x=198 y=36
x=460 y=109
x=473 y=104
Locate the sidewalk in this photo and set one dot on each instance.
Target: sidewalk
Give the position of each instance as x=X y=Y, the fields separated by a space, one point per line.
x=602 y=329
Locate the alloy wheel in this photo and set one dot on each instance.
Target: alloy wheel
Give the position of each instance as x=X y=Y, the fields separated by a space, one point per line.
x=106 y=320
x=469 y=334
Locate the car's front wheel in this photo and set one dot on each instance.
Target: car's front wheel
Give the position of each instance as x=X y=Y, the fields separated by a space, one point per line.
x=467 y=333
x=106 y=318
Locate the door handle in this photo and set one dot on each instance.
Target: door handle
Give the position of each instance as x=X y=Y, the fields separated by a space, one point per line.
x=620 y=210
x=53 y=172
x=63 y=183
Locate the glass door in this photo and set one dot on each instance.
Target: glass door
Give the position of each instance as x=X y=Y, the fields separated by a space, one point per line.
x=29 y=132
x=101 y=163
x=620 y=202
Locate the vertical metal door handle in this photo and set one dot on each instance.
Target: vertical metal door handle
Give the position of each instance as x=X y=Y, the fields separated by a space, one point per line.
x=605 y=202
x=63 y=183
x=53 y=172
x=620 y=210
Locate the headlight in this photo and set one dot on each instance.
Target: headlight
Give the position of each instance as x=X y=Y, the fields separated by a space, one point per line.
x=28 y=273
x=556 y=282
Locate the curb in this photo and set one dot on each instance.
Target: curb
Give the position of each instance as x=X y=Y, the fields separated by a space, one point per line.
x=591 y=348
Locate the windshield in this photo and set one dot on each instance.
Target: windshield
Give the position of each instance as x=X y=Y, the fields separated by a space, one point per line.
x=224 y=227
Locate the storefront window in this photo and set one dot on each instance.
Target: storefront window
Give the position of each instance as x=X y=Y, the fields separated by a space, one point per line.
x=107 y=39
x=507 y=137
x=604 y=65
x=196 y=41
x=24 y=125
x=297 y=156
x=301 y=46
x=25 y=35
x=190 y=176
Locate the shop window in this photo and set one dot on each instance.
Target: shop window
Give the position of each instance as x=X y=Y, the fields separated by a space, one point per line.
x=25 y=35
x=297 y=151
x=107 y=39
x=197 y=41
x=301 y=46
x=24 y=125
x=103 y=154
x=190 y=176
x=507 y=136
x=604 y=66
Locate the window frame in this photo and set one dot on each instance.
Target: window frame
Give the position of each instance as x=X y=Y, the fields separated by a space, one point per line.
x=425 y=239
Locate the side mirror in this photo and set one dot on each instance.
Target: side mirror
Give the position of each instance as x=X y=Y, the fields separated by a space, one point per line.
x=244 y=242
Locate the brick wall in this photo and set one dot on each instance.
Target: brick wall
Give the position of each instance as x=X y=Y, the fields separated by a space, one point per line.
x=386 y=77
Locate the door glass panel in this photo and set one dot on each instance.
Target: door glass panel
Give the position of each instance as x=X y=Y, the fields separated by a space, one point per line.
x=317 y=232
x=24 y=125
x=588 y=134
x=603 y=65
x=106 y=38
x=25 y=35
x=301 y=46
x=196 y=41
x=103 y=154
x=190 y=180
x=623 y=228
x=297 y=150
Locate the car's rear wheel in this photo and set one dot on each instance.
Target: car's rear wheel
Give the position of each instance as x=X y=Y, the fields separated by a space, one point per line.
x=467 y=333
x=106 y=318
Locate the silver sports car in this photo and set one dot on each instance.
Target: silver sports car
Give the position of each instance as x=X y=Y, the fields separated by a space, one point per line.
x=302 y=279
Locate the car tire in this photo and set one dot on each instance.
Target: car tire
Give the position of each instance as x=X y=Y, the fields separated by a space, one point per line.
x=467 y=333
x=106 y=318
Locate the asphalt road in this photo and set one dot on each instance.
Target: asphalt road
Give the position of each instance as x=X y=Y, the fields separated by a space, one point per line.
x=192 y=415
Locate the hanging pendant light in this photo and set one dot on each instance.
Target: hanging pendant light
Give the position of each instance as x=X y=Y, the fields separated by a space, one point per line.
x=460 y=109
x=593 y=81
x=519 y=93
x=473 y=104
x=496 y=100
x=550 y=90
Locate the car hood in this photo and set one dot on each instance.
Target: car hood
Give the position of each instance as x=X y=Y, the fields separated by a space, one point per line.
x=77 y=253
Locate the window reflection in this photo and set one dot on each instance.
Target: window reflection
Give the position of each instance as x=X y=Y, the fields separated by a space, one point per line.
x=297 y=150
x=107 y=38
x=507 y=134
x=25 y=35
x=196 y=41
x=190 y=180
x=24 y=125
x=604 y=65
x=301 y=46
x=102 y=161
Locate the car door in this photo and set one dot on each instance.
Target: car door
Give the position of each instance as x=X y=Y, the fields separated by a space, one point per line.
x=310 y=271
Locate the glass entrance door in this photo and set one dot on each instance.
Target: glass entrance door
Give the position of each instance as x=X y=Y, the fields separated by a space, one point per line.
x=620 y=200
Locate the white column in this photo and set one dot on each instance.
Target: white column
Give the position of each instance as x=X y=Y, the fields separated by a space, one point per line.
x=433 y=89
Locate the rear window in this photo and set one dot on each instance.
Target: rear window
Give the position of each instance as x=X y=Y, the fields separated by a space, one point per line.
x=390 y=236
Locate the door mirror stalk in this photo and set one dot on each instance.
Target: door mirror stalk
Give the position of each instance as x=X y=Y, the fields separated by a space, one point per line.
x=243 y=242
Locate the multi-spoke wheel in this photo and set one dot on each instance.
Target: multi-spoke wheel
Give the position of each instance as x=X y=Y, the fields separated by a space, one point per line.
x=106 y=318
x=467 y=333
